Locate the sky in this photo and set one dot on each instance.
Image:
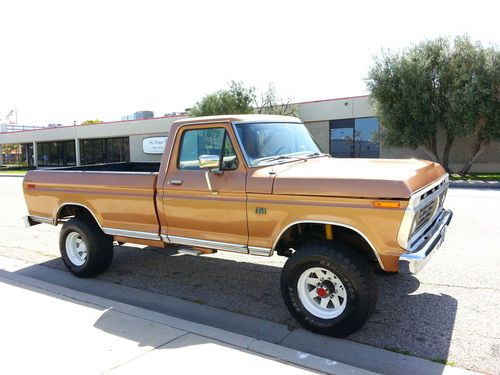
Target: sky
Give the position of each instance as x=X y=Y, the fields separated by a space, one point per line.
x=67 y=61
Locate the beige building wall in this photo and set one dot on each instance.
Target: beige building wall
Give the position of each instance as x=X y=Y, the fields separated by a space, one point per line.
x=316 y=116
x=488 y=161
x=325 y=110
x=136 y=152
x=320 y=132
x=136 y=130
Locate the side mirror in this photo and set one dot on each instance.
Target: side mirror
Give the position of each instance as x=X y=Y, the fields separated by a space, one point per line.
x=209 y=162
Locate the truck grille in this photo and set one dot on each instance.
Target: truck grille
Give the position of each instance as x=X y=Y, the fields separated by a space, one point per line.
x=427 y=212
x=424 y=208
x=425 y=215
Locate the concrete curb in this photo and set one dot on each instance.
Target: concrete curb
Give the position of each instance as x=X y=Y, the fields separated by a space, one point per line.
x=474 y=184
x=241 y=330
x=247 y=343
x=11 y=175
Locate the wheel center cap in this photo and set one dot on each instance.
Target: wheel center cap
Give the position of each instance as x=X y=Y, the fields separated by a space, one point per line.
x=322 y=291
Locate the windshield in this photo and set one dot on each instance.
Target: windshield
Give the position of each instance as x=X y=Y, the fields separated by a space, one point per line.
x=268 y=143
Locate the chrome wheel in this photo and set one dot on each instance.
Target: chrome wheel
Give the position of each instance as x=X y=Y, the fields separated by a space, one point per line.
x=322 y=293
x=76 y=249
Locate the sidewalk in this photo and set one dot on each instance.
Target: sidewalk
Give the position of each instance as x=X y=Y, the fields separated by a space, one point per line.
x=50 y=329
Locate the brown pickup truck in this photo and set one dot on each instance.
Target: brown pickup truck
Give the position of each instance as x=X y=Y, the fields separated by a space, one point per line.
x=256 y=185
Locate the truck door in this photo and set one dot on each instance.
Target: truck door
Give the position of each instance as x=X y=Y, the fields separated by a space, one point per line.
x=194 y=215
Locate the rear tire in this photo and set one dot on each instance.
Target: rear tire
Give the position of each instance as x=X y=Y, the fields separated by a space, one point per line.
x=329 y=288
x=85 y=249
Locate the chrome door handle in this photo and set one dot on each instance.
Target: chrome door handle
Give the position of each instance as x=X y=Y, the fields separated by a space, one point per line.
x=175 y=182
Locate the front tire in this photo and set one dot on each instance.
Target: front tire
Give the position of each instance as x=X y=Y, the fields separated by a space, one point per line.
x=86 y=251
x=329 y=288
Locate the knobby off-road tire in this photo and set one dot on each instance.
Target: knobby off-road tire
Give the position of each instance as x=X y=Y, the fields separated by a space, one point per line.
x=329 y=288
x=85 y=249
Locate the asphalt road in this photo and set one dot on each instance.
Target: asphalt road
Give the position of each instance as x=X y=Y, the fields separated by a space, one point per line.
x=449 y=312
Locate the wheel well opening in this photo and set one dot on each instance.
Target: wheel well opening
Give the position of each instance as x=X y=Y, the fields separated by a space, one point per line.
x=297 y=234
x=73 y=210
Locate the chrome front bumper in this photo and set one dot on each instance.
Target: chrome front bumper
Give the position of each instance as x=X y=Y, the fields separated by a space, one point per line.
x=413 y=262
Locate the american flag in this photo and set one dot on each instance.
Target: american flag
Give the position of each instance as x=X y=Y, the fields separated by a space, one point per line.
x=10 y=118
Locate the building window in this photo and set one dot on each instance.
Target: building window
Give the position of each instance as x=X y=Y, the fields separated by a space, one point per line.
x=104 y=150
x=56 y=154
x=355 y=138
x=27 y=150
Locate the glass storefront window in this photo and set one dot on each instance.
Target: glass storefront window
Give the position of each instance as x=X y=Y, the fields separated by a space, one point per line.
x=69 y=152
x=92 y=151
x=56 y=154
x=355 y=138
x=104 y=150
x=366 y=134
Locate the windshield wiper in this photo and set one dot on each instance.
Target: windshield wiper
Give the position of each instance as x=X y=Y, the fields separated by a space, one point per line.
x=316 y=155
x=284 y=157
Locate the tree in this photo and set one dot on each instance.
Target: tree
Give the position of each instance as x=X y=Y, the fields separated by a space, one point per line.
x=92 y=122
x=475 y=96
x=270 y=104
x=237 y=99
x=9 y=149
x=436 y=87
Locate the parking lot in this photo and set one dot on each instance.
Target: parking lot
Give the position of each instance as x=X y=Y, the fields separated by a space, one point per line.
x=447 y=313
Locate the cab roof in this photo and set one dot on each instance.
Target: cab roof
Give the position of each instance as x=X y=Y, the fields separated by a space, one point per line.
x=237 y=118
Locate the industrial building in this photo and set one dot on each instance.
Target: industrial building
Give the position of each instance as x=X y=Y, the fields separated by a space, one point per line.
x=343 y=127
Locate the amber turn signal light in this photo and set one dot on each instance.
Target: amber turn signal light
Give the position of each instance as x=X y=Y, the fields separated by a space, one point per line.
x=384 y=204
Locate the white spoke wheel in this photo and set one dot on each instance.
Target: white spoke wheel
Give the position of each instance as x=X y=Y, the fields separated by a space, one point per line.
x=85 y=250
x=76 y=249
x=329 y=287
x=322 y=293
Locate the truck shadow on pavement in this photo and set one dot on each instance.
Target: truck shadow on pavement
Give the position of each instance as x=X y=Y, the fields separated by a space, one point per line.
x=408 y=319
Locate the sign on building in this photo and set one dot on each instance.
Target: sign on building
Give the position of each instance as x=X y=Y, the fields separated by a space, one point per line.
x=154 y=145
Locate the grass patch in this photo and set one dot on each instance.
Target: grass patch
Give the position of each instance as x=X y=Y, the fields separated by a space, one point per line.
x=396 y=350
x=476 y=177
x=444 y=361
x=12 y=172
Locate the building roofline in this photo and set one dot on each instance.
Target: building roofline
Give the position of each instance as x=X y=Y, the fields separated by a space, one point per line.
x=102 y=123
x=172 y=116
x=332 y=100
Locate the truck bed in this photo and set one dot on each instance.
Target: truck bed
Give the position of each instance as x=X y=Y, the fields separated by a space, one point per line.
x=120 y=196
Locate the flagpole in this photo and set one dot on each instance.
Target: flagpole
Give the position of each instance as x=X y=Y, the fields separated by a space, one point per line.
x=15 y=107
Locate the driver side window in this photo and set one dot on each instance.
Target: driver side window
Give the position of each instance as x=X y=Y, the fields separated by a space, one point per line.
x=211 y=141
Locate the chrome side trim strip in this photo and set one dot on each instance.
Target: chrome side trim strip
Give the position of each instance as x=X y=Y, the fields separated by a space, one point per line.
x=131 y=233
x=209 y=244
x=332 y=223
x=111 y=231
x=41 y=219
x=261 y=251
x=164 y=237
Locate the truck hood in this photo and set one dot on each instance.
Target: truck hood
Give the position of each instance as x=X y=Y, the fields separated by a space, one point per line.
x=370 y=178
